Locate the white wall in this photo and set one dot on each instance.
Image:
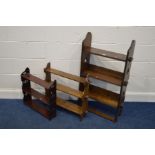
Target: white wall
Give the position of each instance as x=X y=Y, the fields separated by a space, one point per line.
x=35 y=46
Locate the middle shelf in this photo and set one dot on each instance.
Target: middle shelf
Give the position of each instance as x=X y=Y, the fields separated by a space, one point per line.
x=69 y=90
x=104 y=74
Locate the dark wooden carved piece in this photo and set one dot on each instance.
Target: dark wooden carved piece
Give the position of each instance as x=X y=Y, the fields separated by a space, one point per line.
x=48 y=100
x=26 y=84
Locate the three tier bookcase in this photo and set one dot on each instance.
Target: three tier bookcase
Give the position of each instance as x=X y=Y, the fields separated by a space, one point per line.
x=47 y=106
x=102 y=95
x=80 y=110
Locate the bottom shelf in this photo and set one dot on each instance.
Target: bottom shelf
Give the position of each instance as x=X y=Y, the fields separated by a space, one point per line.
x=37 y=95
x=104 y=96
x=46 y=113
x=69 y=106
x=101 y=114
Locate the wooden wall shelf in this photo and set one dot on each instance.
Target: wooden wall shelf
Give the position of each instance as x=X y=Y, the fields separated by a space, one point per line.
x=83 y=95
x=49 y=100
x=120 y=79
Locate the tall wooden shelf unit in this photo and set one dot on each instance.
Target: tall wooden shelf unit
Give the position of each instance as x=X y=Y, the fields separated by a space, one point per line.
x=107 y=97
x=47 y=107
x=80 y=110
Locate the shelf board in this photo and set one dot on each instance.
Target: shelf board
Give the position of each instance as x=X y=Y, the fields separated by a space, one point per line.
x=37 y=95
x=69 y=90
x=66 y=75
x=107 y=54
x=101 y=114
x=104 y=74
x=36 y=80
x=39 y=109
x=104 y=96
x=69 y=106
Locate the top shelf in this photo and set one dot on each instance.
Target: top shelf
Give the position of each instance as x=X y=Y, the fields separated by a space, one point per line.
x=66 y=75
x=107 y=54
x=36 y=80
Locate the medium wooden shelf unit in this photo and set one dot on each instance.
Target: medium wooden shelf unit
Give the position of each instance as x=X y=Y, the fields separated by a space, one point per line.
x=107 y=97
x=48 y=101
x=83 y=95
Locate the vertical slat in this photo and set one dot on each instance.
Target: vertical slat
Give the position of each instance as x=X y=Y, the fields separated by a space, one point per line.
x=47 y=78
x=52 y=97
x=127 y=69
x=84 y=100
x=85 y=56
x=26 y=85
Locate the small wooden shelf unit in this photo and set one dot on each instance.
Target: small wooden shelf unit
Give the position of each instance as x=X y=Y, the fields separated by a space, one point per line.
x=107 y=97
x=83 y=95
x=48 y=101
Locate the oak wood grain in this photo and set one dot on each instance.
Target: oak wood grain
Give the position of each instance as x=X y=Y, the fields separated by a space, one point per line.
x=107 y=54
x=69 y=106
x=37 y=80
x=66 y=75
x=104 y=96
x=104 y=74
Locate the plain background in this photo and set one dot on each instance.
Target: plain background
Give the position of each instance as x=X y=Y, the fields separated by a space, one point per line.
x=64 y=13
